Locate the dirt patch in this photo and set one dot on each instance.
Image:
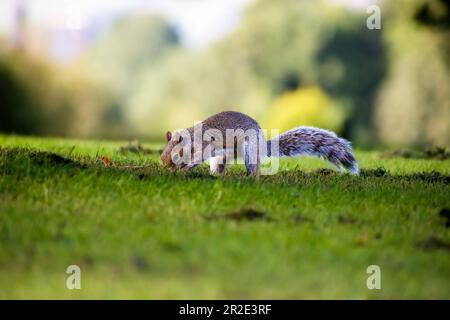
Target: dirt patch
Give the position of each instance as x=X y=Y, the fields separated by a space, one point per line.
x=445 y=213
x=136 y=147
x=431 y=177
x=298 y=219
x=325 y=172
x=438 y=153
x=434 y=243
x=247 y=214
x=140 y=263
x=43 y=158
x=378 y=172
x=243 y=215
x=348 y=220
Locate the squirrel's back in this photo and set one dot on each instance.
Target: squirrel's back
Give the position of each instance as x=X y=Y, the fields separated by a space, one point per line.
x=230 y=120
x=295 y=142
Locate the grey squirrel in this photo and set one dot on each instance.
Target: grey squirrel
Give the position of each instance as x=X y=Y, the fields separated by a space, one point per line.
x=245 y=139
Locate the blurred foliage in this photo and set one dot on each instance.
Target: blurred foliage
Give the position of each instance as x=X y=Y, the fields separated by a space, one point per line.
x=19 y=112
x=37 y=97
x=434 y=14
x=278 y=47
x=289 y=63
x=191 y=87
x=126 y=58
x=85 y=99
x=352 y=65
x=131 y=43
x=413 y=106
x=306 y=106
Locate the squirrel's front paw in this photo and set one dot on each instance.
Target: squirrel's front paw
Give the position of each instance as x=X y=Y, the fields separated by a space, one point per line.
x=216 y=166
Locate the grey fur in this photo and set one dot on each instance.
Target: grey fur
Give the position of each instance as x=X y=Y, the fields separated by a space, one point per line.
x=318 y=142
x=296 y=142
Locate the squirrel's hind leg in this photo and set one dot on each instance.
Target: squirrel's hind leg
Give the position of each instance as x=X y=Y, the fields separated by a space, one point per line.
x=217 y=165
x=252 y=160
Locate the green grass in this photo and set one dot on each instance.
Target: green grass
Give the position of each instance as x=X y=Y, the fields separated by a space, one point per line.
x=150 y=233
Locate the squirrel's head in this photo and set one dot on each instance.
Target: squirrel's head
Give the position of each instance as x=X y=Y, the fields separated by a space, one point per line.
x=176 y=153
x=166 y=155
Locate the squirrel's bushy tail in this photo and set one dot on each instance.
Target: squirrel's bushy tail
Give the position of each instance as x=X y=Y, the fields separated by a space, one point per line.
x=315 y=142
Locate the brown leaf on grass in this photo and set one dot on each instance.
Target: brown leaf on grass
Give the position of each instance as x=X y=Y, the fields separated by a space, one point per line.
x=106 y=161
x=362 y=240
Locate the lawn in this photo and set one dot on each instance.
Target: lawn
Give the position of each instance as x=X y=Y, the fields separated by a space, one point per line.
x=144 y=232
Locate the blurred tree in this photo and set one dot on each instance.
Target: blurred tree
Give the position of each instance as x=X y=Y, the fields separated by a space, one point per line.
x=291 y=62
x=17 y=113
x=294 y=43
x=132 y=43
x=189 y=87
x=280 y=40
x=274 y=50
x=37 y=97
x=28 y=96
x=434 y=14
x=413 y=107
x=352 y=65
x=122 y=60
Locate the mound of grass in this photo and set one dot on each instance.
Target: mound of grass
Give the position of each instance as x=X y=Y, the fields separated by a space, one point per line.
x=139 y=231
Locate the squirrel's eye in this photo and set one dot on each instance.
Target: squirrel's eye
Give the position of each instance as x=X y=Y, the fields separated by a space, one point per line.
x=180 y=139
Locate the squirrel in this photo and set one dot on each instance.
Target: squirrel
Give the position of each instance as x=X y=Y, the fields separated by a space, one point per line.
x=180 y=153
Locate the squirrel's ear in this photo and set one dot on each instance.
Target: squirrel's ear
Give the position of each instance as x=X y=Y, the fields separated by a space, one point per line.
x=168 y=136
